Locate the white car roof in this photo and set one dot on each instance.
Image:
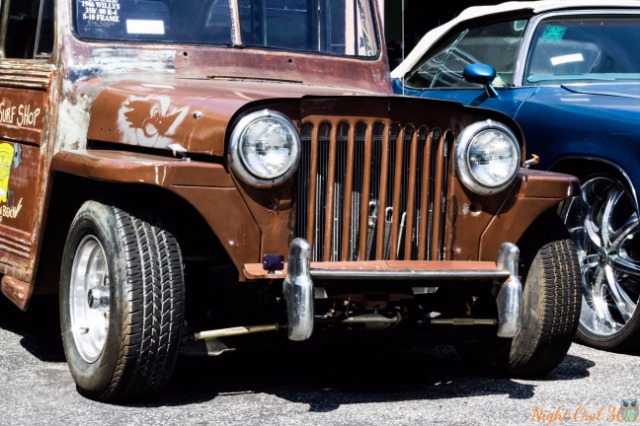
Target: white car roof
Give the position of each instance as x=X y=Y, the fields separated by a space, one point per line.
x=477 y=11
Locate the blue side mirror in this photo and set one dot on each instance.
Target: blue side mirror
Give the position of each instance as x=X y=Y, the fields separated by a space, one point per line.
x=482 y=74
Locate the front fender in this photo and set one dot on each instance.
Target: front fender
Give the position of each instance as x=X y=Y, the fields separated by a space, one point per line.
x=207 y=187
x=537 y=192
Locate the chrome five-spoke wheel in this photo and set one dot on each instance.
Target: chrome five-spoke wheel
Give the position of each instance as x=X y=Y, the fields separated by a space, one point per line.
x=121 y=301
x=89 y=298
x=604 y=224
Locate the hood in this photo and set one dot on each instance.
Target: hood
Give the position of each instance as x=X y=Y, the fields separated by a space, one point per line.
x=627 y=90
x=187 y=115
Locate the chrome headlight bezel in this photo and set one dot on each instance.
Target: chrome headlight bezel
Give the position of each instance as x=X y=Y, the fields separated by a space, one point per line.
x=464 y=169
x=238 y=161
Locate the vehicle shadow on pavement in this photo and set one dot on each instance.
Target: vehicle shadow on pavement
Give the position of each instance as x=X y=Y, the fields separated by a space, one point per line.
x=39 y=327
x=325 y=379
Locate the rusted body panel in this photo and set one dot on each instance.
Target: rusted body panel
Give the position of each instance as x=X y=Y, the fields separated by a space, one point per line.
x=19 y=292
x=46 y=108
x=127 y=113
x=354 y=75
x=272 y=212
x=25 y=110
x=194 y=114
x=536 y=193
x=206 y=186
x=127 y=167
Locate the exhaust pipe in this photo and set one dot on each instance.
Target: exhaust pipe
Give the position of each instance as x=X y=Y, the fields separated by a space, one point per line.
x=235 y=331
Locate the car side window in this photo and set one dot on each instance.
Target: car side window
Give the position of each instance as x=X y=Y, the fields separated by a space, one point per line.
x=28 y=28
x=495 y=44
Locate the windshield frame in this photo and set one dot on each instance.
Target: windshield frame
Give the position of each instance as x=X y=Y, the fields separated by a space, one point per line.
x=236 y=34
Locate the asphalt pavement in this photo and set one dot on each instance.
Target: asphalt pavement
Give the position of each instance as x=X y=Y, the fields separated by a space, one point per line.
x=390 y=386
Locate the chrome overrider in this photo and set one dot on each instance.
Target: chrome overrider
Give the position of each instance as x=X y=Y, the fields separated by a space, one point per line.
x=299 y=292
x=509 y=298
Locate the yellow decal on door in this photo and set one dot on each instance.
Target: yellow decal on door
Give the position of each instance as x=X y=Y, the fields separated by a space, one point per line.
x=6 y=159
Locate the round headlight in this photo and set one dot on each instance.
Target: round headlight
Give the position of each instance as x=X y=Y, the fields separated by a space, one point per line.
x=264 y=148
x=487 y=157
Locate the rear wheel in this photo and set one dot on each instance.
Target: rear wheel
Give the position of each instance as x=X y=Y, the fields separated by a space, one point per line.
x=121 y=302
x=604 y=224
x=551 y=299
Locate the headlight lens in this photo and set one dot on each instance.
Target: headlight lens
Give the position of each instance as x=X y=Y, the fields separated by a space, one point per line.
x=487 y=157
x=264 y=148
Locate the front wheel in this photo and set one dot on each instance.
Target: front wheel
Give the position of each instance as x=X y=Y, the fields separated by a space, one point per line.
x=551 y=300
x=121 y=302
x=604 y=224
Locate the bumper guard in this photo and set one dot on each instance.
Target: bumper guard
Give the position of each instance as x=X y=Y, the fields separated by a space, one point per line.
x=299 y=292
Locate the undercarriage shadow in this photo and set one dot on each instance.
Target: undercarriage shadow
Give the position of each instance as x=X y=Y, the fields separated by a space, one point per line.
x=326 y=378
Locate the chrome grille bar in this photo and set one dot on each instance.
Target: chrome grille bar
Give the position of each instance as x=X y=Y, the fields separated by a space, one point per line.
x=372 y=189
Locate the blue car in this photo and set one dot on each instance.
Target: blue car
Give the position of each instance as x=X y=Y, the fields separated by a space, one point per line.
x=569 y=73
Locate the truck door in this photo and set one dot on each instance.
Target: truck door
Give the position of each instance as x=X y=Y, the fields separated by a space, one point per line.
x=27 y=74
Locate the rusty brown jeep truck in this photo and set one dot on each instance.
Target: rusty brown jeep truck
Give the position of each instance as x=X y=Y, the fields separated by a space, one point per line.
x=204 y=176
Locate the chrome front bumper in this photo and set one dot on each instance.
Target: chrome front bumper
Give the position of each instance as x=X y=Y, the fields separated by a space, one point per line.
x=299 y=292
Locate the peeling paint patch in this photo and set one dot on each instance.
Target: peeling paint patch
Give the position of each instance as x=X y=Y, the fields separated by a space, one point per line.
x=466 y=209
x=150 y=121
x=118 y=61
x=160 y=179
x=73 y=119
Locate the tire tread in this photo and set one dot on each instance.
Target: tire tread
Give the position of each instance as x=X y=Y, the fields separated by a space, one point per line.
x=556 y=266
x=154 y=310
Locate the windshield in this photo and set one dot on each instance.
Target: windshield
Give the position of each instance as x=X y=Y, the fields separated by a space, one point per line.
x=496 y=44
x=585 y=49
x=339 y=27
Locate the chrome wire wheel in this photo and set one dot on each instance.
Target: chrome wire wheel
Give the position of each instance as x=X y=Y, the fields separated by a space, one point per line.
x=89 y=298
x=604 y=225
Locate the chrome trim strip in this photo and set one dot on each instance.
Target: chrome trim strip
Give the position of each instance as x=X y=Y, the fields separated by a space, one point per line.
x=408 y=274
x=235 y=22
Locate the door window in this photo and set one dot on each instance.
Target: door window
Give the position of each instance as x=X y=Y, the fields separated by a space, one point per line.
x=29 y=28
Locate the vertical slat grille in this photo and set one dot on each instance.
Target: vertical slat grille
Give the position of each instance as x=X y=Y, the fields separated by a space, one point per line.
x=372 y=190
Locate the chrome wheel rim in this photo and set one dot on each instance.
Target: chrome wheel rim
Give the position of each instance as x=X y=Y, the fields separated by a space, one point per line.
x=89 y=298
x=604 y=225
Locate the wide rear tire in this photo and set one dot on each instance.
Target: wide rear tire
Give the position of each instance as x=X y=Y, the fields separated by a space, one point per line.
x=121 y=302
